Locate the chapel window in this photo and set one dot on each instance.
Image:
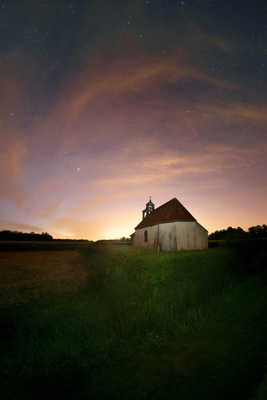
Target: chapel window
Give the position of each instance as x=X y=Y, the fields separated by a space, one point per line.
x=145 y=236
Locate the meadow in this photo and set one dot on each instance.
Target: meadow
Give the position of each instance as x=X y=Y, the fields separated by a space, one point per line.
x=82 y=321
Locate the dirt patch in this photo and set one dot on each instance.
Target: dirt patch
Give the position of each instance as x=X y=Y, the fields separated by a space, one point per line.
x=25 y=274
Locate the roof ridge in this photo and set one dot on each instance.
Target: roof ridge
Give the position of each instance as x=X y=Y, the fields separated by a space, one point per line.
x=164 y=204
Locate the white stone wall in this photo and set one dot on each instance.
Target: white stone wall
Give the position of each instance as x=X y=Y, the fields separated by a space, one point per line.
x=173 y=236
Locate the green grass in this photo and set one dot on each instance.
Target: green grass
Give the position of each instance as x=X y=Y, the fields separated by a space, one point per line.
x=189 y=325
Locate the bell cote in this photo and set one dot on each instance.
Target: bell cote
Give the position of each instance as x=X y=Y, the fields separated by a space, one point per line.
x=150 y=207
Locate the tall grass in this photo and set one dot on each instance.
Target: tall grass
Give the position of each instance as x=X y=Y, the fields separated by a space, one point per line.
x=189 y=325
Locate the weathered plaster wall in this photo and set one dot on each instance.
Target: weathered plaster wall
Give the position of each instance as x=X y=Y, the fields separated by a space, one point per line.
x=152 y=235
x=173 y=236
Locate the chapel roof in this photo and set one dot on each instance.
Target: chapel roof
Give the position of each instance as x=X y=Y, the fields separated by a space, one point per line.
x=171 y=211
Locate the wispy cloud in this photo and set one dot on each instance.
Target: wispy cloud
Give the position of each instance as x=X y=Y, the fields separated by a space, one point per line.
x=122 y=77
x=12 y=163
x=215 y=159
x=200 y=38
x=107 y=80
x=241 y=111
x=11 y=225
x=13 y=160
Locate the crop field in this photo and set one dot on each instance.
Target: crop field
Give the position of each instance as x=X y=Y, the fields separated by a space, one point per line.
x=80 y=321
x=26 y=275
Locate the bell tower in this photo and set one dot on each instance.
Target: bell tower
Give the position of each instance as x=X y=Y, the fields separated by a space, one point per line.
x=150 y=207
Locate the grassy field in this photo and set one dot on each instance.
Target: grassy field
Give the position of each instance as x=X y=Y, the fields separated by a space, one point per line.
x=90 y=322
x=44 y=245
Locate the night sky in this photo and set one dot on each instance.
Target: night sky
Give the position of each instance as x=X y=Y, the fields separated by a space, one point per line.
x=104 y=103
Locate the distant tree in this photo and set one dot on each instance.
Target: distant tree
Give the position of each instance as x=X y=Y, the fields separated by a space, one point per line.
x=23 y=236
x=258 y=231
x=229 y=234
x=254 y=232
x=46 y=236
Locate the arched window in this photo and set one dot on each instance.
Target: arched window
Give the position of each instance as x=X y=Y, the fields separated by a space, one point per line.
x=145 y=236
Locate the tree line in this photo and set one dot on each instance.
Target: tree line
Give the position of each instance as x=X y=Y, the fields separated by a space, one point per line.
x=254 y=232
x=23 y=236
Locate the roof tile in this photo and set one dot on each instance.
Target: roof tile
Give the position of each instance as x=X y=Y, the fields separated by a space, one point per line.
x=171 y=211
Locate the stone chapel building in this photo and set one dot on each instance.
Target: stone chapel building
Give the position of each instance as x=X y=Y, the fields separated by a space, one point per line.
x=170 y=227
